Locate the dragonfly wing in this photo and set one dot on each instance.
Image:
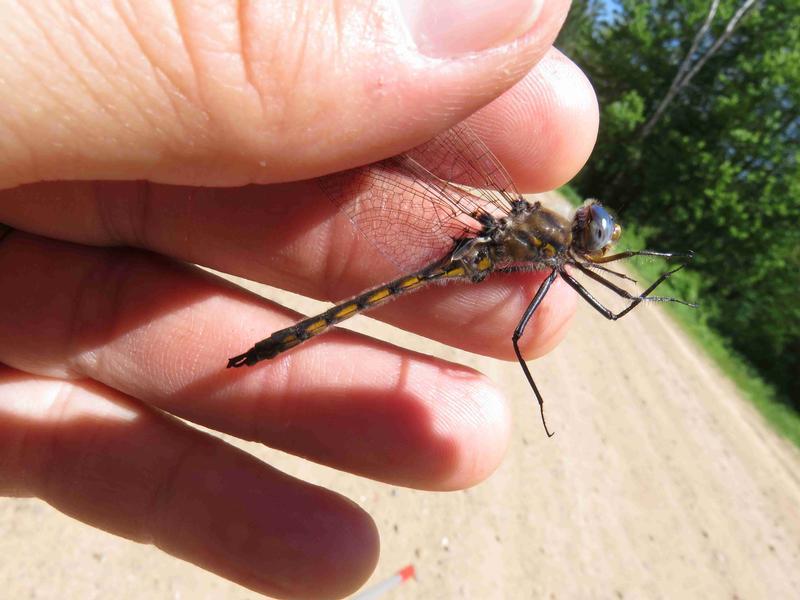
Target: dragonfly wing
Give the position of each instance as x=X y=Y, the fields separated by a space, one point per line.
x=458 y=155
x=407 y=207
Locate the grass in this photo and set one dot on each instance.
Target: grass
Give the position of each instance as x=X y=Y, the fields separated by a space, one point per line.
x=686 y=284
x=570 y=194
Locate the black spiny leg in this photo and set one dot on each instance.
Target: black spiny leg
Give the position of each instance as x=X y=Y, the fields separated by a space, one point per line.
x=644 y=295
x=635 y=300
x=526 y=268
x=523 y=322
x=607 y=270
x=630 y=253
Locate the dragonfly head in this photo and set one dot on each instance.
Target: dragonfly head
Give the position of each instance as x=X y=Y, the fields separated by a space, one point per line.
x=593 y=229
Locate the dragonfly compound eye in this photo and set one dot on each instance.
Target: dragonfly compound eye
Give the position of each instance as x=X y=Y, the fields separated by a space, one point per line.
x=601 y=228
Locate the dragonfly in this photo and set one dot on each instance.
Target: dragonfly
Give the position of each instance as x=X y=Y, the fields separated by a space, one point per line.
x=448 y=210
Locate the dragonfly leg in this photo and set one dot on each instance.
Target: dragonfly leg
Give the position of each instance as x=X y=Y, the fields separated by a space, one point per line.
x=523 y=322
x=630 y=253
x=644 y=295
x=528 y=269
x=635 y=300
x=607 y=270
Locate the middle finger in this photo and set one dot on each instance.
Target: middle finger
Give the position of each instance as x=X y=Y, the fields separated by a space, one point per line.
x=291 y=237
x=160 y=331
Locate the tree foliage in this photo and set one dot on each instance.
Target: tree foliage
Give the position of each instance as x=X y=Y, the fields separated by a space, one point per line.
x=718 y=170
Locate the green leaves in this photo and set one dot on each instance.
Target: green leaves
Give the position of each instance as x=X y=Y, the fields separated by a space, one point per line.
x=700 y=141
x=621 y=117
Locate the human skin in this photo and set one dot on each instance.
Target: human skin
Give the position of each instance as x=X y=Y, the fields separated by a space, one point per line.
x=139 y=138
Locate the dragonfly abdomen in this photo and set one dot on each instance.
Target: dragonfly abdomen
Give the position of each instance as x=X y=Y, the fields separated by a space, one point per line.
x=288 y=338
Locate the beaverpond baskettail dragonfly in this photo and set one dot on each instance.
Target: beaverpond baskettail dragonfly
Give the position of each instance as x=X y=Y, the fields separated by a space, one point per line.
x=447 y=210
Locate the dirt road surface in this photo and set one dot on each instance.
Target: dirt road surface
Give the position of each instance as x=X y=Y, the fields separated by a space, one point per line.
x=660 y=483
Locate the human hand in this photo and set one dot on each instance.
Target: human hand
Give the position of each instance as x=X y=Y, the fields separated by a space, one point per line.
x=105 y=331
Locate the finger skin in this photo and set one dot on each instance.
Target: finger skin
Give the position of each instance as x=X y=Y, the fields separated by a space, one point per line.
x=230 y=93
x=544 y=128
x=162 y=332
x=115 y=464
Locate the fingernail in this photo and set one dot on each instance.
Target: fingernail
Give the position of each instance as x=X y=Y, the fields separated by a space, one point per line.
x=449 y=28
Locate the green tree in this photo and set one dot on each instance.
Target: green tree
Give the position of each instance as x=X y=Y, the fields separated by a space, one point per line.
x=700 y=123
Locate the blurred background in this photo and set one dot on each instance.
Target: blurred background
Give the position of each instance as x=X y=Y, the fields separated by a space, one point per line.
x=698 y=149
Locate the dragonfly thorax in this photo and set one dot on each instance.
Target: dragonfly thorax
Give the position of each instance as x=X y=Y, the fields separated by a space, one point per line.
x=532 y=234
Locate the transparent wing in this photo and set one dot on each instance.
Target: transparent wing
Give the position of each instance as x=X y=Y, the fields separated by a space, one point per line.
x=458 y=155
x=414 y=206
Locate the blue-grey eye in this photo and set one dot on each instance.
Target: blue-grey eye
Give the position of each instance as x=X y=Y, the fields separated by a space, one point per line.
x=601 y=228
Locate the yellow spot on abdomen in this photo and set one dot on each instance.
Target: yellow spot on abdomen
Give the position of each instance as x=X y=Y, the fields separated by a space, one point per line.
x=378 y=296
x=410 y=282
x=316 y=325
x=290 y=341
x=346 y=310
x=455 y=272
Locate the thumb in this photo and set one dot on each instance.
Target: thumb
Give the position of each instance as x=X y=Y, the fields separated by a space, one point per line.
x=227 y=93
